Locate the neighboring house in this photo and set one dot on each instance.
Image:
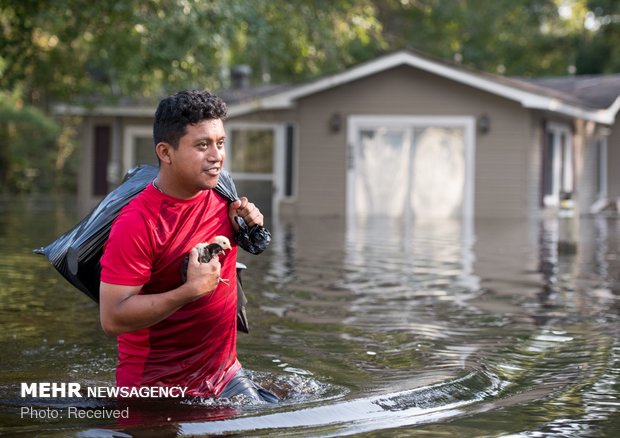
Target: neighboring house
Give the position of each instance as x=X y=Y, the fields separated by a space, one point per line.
x=402 y=135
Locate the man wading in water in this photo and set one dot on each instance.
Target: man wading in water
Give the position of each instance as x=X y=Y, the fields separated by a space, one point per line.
x=172 y=333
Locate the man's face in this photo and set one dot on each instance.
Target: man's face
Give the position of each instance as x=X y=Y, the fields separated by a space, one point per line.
x=199 y=159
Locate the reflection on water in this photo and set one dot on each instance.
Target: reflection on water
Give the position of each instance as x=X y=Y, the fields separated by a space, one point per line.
x=432 y=328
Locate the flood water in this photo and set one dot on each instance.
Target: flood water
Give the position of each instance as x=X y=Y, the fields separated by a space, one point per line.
x=497 y=328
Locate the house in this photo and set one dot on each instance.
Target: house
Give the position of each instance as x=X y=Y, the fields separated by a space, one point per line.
x=403 y=135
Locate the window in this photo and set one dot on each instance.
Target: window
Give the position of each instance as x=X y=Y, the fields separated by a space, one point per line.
x=255 y=157
x=252 y=151
x=558 y=172
x=138 y=147
x=429 y=162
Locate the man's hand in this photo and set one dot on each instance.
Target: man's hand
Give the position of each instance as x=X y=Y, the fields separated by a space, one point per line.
x=123 y=309
x=202 y=277
x=247 y=211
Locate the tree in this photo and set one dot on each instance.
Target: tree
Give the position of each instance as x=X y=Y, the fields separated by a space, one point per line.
x=24 y=132
x=599 y=50
x=113 y=51
x=286 y=41
x=520 y=38
x=119 y=51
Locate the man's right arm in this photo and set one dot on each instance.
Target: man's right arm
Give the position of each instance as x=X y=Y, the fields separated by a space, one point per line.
x=122 y=309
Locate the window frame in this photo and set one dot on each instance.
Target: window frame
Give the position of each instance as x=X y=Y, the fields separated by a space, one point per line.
x=358 y=123
x=130 y=134
x=277 y=177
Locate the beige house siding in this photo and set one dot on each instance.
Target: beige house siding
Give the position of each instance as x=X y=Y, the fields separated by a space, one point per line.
x=504 y=162
x=322 y=157
x=267 y=116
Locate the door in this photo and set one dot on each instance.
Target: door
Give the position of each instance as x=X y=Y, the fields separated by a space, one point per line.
x=558 y=173
x=101 y=159
x=438 y=172
x=411 y=167
x=382 y=189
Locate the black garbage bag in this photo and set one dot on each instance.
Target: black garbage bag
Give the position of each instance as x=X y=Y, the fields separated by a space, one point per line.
x=77 y=253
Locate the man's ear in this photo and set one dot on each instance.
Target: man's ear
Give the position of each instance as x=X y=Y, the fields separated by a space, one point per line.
x=163 y=149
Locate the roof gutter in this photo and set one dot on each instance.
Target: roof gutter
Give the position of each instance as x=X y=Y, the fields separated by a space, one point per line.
x=78 y=110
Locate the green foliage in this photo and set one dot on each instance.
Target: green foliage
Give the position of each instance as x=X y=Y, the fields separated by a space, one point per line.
x=115 y=49
x=79 y=50
x=599 y=49
x=290 y=41
x=525 y=38
x=25 y=136
x=118 y=51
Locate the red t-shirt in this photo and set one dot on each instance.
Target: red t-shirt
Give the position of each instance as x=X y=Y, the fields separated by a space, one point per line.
x=194 y=347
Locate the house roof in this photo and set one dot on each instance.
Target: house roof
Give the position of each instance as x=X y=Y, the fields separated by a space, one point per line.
x=595 y=90
x=233 y=96
x=535 y=94
x=595 y=98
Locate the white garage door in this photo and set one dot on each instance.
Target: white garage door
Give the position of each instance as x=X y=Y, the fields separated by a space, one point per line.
x=410 y=167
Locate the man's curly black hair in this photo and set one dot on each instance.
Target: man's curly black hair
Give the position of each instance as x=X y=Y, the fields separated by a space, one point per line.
x=187 y=107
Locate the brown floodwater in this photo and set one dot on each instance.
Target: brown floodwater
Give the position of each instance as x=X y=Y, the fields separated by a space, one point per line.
x=368 y=328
